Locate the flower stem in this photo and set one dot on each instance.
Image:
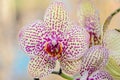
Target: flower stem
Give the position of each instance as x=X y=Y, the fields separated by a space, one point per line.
x=107 y=22
x=60 y=73
x=117 y=30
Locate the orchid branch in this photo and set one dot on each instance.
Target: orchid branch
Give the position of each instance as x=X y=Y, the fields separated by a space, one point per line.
x=108 y=20
x=60 y=73
x=117 y=30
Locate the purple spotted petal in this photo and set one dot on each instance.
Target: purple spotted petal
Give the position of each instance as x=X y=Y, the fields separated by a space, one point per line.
x=100 y=75
x=41 y=66
x=31 y=37
x=57 y=17
x=88 y=17
x=71 y=67
x=94 y=59
x=76 y=43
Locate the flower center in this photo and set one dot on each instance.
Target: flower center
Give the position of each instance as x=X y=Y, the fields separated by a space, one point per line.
x=53 y=48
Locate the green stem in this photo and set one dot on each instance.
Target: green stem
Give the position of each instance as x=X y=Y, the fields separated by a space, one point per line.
x=107 y=22
x=66 y=76
x=63 y=75
x=60 y=73
x=117 y=30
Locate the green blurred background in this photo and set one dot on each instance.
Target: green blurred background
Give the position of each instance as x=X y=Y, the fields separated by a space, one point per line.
x=14 y=14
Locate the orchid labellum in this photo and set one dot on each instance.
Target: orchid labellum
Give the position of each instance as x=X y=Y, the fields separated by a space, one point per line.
x=51 y=39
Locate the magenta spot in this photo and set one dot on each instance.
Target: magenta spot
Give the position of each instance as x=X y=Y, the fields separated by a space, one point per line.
x=39 y=46
x=29 y=48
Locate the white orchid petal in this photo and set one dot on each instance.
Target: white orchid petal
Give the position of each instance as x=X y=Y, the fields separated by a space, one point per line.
x=71 y=67
x=94 y=59
x=100 y=75
x=41 y=66
x=57 y=17
x=76 y=43
x=31 y=37
x=112 y=42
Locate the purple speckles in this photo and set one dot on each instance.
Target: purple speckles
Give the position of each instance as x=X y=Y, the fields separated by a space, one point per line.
x=54 y=38
x=100 y=75
x=95 y=58
x=29 y=48
x=89 y=18
x=40 y=46
x=30 y=36
x=77 y=42
x=93 y=61
x=90 y=24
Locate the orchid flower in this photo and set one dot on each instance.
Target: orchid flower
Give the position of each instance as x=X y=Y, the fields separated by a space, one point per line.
x=54 y=38
x=93 y=63
x=110 y=39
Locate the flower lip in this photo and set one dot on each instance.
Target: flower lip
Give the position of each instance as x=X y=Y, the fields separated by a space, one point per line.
x=53 y=48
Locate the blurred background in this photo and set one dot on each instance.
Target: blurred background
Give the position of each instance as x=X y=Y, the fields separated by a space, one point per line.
x=14 y=14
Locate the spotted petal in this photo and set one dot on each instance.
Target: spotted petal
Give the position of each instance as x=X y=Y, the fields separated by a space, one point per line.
x=31 y=37
x=100 y=75
x=94 y=59
x=77 y=42
x=112 y=42
x=41 y=66
x=88 y=17
x=57 y=17
x=70 y=67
